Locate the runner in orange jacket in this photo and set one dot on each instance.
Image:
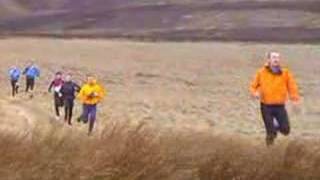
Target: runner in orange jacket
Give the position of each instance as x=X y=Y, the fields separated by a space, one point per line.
x=274 y=85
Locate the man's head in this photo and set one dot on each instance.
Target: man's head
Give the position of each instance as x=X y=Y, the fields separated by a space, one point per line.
x=91 y=80
x=14 y=67
x=273 y=59
x=58 y=75
x=31 y=62
x=68 y=78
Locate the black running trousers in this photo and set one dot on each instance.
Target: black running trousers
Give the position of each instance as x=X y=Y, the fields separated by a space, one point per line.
x=278 y=113
x=30 y=84
x=15 y=87
x=68 y=109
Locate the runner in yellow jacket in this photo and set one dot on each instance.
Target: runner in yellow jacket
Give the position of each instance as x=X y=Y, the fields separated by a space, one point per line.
x=91 y=94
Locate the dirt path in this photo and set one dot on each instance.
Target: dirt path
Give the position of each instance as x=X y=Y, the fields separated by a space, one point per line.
x=32 y=117
x=19 y=116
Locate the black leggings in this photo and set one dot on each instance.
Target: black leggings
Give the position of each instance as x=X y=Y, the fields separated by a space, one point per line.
x=58 y=102
x=30 y=84
x=57 y=109
x=278 y=113
x=68 y=110
x=15 y=87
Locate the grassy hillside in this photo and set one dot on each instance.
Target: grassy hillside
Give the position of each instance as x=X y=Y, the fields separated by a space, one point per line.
x=291 y=21
x=175 y=111
x=202 y=85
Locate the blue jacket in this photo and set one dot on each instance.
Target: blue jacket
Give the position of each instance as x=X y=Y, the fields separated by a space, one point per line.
x=32 y=72
x=14 y=73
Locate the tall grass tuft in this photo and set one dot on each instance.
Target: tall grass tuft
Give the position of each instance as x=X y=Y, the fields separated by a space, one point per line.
x=141 y=152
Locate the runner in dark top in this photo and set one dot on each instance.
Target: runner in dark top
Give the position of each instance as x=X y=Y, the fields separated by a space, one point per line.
x=56 y=85
x=68 y=91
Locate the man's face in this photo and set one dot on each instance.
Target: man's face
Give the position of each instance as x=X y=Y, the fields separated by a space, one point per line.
x=274 y=59
x=91 y=80
x=58 y=76
x=68 y=78
x=31 y=63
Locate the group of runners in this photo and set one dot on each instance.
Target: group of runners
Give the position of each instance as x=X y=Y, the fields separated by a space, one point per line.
x=272 y=86
x=65 y=91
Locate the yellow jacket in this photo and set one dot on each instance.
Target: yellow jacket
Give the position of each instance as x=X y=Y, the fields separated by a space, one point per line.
x=273 y=88
x=91 y=94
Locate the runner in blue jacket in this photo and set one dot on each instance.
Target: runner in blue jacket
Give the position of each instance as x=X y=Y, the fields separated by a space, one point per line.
x=14 y=73
x=31 y=72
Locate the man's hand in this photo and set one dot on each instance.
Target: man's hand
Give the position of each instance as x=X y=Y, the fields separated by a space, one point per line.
x=93 y=95
x=256 y=95
x=296 y=103
x=296 y=107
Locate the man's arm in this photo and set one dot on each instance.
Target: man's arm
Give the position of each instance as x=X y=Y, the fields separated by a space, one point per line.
x=25 y=70
x=255 y=84
x=10 y=72
x=62 y=91
x=293 y=88
x=77 y=87
x=38 y=72
x=81 y=95
x=103 y=92
x=100 y=94
x=50 y=86
x=19 y=71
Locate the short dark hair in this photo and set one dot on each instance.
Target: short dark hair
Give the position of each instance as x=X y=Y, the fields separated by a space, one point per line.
x=90 y=75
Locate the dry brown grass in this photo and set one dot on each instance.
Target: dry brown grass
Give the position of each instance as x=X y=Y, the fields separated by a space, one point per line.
x=121 y=152
x=141 y=152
